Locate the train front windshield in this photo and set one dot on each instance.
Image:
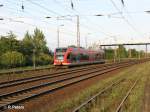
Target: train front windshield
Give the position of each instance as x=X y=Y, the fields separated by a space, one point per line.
x=61 y=50
x=60 y=53
x=59 y=57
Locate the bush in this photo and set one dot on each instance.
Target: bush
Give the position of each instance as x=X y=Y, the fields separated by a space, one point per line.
x=29 y=60
x=12 y=59
x=44 y=59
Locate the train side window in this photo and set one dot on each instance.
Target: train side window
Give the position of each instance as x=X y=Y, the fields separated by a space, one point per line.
x=73 y=58
x=79 y=57
x=69 y=56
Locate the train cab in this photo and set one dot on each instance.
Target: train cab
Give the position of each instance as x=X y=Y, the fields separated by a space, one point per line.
x=59 y=55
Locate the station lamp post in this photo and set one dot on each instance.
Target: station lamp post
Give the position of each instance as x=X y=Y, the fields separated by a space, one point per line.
x=58 y=35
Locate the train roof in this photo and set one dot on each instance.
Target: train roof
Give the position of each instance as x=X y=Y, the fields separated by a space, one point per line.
x=80 y=48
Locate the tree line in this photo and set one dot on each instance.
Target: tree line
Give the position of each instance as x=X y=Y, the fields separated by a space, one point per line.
x=122 y=52
x=31 y=50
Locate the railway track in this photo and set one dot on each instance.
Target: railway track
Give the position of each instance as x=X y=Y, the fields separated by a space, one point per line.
x=119 y=108
x=21 y=95
x=24 y=70
x=48 y=81
x=120 y=105
x=53 y=75
x=54 y=72
x=36 y=69
x=93 y=98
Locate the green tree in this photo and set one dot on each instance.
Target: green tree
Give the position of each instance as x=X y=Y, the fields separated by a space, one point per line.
x=9 y=43
x=109 y=53
x=39 y=42
x=134 y=53
x=33 y=46
x=43 y=59
x=142 y=54
x=12 y=59
x=27 y=44
x=3 y=44
x=27 y=48
x=14 y=44
x=122 y=52
x=32 y=50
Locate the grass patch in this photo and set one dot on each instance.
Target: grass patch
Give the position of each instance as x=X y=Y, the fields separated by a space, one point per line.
x=135 y=100
x=23 y=68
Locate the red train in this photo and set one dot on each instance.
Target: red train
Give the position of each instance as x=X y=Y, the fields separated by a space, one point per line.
x=77 y=56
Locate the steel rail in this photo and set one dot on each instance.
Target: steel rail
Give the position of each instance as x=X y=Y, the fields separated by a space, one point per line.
x=38 y=69
x=46 y=74
x=77 y=109
x=42 y=77
x=59 y=80
x=35 y=69
x=127 y=95
x=24 y=95
x=75 y=69
x=25 y=70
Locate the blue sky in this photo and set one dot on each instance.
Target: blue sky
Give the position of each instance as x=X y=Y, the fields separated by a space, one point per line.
x=132 y=26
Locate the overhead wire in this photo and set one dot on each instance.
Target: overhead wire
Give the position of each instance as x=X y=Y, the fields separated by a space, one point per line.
x=129 y=16
x=58 y=14
x=126 y=20
x=47 y=9
x=85 y=17
x=85 y=26
x=42 y=7
x=35 y=3
x=42 y=21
